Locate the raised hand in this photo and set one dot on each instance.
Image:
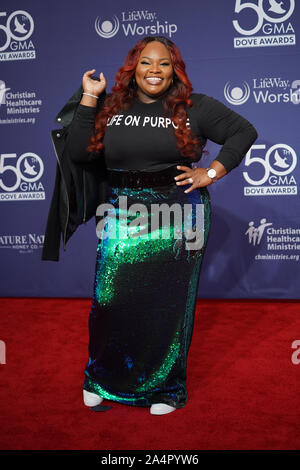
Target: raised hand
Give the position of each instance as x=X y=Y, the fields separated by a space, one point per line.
x=93 y=86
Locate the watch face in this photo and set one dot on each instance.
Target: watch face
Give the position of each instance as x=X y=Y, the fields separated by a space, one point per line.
x=211 y=173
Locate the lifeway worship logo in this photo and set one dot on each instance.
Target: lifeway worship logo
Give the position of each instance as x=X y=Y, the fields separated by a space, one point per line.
x=134 y=23
x=266 y=90
x=272 y=27
x=281 y=243
x=20 y=177
x=18 y=106
x=272 y=171
x=15 y=42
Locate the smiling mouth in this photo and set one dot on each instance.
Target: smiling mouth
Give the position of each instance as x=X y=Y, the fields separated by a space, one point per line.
x=154 y=80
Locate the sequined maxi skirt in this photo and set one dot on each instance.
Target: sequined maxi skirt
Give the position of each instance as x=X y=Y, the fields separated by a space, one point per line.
x=145 y=290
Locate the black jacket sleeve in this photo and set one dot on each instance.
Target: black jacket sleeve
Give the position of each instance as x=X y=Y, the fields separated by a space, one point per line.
x=225 y=127
x=79 y=134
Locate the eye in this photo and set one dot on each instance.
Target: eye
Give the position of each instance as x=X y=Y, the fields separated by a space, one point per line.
x=144 y=62
x=165 y=63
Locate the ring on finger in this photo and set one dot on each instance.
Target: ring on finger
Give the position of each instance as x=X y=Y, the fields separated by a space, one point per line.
x=190 y=180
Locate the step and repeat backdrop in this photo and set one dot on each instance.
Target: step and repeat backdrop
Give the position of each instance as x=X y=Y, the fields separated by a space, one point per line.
x=245 y=54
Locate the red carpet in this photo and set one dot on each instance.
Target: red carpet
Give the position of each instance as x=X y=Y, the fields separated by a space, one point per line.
x=243 y=387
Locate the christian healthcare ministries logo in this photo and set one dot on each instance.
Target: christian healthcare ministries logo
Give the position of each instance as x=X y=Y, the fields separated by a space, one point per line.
x=271 y=28
x=265 y=90
x=271 y=172
x=18 y=107
x=20 y=181
x=16 y=32
x=255 y=233
x=275 y=243
x=134 y=23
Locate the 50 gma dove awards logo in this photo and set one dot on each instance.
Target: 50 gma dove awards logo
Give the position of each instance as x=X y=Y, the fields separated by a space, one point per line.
x=271 y=27
x=271 y=174
x=19 y=177
x=14 y=36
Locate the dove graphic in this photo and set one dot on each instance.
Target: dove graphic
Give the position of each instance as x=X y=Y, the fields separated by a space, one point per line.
x=276 y=7
x=29 y=169
x=279 y=161
x=19 y=28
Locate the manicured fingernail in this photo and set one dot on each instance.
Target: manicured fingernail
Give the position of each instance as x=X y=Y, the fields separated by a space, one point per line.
x=178 y=167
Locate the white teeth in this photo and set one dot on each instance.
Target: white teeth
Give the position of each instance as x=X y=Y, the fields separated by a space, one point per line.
x=154 y=79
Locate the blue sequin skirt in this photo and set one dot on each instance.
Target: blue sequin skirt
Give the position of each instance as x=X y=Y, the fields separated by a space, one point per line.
x=145 y=291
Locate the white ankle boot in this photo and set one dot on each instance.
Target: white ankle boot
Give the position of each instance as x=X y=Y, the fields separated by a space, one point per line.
x=91 y=399
x=161 y=409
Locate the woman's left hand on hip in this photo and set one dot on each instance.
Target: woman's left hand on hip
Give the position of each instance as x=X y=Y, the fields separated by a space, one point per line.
x=196 y=177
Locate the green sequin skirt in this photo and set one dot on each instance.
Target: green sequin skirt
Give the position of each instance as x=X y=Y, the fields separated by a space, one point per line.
x=145 y=291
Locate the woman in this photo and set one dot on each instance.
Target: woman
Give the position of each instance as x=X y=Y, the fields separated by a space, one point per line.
x=150 y=130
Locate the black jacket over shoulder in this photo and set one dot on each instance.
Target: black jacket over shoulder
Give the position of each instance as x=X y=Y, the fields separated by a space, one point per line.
x=79 y=187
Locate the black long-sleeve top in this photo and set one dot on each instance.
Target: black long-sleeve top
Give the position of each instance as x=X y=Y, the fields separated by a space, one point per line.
x=142 y=138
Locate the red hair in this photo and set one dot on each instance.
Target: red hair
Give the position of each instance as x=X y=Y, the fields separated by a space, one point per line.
x=125 y=90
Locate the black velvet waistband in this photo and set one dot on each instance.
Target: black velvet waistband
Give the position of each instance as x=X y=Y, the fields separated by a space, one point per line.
x=140 y=179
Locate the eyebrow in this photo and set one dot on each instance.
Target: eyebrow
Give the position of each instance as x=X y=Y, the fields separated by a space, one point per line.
x=145 y=57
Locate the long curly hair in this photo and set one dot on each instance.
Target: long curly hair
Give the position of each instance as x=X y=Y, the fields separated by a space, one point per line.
x=174 y=100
